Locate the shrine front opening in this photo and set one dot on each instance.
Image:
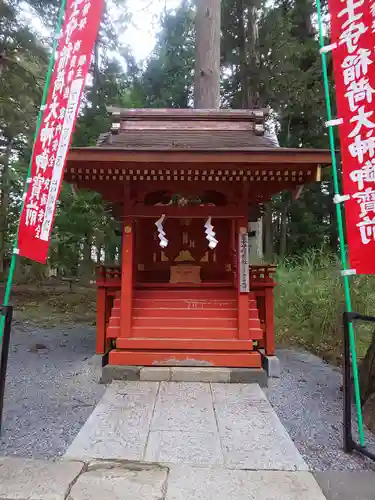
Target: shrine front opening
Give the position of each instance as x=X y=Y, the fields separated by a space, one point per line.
x=185 y=184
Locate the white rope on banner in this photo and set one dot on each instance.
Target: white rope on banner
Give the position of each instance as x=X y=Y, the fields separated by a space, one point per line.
x=210 y=234
x=161 y=233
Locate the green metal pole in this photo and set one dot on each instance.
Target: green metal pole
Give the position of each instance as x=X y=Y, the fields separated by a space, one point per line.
x=340 y=225
x=13 y=261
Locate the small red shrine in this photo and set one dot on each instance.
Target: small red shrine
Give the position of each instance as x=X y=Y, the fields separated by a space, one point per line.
x=185 y=184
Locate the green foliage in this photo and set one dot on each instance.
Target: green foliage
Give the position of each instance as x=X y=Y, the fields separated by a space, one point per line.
x=310 y=303
x=168 y=78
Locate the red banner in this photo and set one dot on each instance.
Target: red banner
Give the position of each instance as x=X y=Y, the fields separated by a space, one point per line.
x=79 y=31
x=353 y=32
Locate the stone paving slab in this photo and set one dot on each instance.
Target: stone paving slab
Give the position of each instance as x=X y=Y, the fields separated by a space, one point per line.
x=251 y=434
x=189 y=392
x=184 y=448
x=184 y=407
x=237 y=393
x=26 y=479
x=119 y=483
x=347 y=485
x=187 y=483
x=119 y=425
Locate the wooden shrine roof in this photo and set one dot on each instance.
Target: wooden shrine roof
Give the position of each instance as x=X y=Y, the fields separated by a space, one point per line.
x=190 y=145
x=187 y=129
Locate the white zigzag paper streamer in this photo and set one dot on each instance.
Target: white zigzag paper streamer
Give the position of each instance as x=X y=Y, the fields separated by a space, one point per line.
x=161 y=233
x=210 y=234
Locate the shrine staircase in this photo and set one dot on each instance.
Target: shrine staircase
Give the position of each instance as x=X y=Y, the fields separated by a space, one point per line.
x=189 y=326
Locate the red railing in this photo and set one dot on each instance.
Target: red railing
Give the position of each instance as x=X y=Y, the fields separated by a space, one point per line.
x=262 y=284
x=108 y=276
x=108 y=282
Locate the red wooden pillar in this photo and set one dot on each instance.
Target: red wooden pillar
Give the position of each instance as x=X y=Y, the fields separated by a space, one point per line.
x=242 y=297
x=269 y=344
x=127 y=278
x=234 y=251
x=100 y=319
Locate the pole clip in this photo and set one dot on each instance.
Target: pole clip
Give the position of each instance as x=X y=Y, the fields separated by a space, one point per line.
x=334 y=123
x=16 y=251
x=348 y=272
x=328 y=48
x=340 y=198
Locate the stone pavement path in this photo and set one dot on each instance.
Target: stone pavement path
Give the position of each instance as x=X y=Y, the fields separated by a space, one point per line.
x=180 y=441
x=216 y=441
x=196 y=424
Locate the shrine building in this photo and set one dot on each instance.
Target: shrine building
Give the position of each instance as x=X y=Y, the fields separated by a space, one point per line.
x=185 y=183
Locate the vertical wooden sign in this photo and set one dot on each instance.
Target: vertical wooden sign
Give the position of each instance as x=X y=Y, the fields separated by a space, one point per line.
x=244 y=261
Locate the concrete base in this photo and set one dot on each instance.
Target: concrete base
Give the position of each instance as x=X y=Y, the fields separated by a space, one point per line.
x=271 y=364
x=184 y=374
x=113 y=372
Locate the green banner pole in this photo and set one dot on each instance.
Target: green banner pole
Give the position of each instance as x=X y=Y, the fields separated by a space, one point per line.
x=13 y=261
x=340 y=226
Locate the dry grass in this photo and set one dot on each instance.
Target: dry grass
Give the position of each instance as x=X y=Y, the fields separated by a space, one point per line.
x=54 y=305
x=310 y=303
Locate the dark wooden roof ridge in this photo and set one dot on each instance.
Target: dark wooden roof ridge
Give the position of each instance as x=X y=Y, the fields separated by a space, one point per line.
x=228 y=150
x=187 y=114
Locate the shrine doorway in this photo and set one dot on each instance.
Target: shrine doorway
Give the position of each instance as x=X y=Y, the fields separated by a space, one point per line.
x=187 y=260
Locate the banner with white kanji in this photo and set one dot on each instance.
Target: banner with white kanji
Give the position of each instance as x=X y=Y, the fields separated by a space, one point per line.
x=77 y=38
x=353 y=36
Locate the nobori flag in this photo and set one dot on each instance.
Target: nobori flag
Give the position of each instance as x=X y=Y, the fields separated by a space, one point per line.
x=353 y=37
x=77 y=38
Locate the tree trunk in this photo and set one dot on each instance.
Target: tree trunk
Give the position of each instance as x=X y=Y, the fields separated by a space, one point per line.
x=99 y=254
x=268 y=234
x=87 y=263
x=4 y=202
x=252 y=59
x=207 y=54
x=283 y=230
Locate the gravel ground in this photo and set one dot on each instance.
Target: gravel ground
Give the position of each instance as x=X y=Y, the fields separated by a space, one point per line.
x=308 y=401
x=51 y=392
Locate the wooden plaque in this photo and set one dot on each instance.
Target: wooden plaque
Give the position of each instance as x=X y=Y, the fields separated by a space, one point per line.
x=185 y=273
x=244 y=262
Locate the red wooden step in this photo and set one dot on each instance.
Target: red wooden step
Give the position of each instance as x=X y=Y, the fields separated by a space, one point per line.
x=185 y=304
x=162 y=312
x=183 y=344
x=256 y=333
x=185 y=294
x=183 y=321
x=249 y=359
x=113 y=332
x=167 y=332
x=116 y=312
